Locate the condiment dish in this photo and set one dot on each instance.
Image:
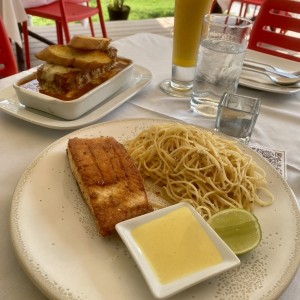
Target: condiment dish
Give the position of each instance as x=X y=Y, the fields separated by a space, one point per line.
x=175 y=248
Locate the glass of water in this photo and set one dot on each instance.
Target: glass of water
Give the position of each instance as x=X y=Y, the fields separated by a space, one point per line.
x=237 y=115
x=223 y=45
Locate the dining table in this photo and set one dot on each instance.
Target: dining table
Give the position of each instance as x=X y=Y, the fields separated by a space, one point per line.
x=13 y=13
x=25 y=133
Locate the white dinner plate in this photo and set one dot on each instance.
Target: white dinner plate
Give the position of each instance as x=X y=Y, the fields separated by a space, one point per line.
x=9 y=103
x=261 y=82
x=57 y=242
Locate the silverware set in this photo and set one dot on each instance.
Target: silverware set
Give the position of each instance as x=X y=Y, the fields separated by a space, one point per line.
x=277 y=75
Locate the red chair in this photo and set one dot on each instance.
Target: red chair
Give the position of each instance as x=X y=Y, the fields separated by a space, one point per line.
x=244 y=7
x=63 y=12
x=276 y=30
x=8 y=64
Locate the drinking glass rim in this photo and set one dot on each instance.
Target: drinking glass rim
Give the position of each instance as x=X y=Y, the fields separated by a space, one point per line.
x=257 y=102
x=246 y=22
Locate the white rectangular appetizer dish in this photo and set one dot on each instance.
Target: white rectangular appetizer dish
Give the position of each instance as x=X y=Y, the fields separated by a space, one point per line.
x=29 y=95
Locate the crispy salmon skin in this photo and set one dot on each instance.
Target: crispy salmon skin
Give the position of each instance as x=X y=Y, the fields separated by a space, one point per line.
x=109 y=181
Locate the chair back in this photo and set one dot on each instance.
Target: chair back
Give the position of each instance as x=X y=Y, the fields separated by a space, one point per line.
x=276 y=30
x=8 y=64
x=247 y=8
x=64 y=12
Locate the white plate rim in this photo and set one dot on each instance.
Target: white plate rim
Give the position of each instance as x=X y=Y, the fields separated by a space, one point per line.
x=277 y=287
x=11 y=105
x=267 y=87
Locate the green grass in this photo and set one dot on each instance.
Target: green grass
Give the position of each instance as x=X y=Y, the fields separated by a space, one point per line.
x=147 y=9
x=140 y=9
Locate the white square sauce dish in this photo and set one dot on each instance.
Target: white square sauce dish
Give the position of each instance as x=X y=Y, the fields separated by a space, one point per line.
x=175 y=248
x=29 y=95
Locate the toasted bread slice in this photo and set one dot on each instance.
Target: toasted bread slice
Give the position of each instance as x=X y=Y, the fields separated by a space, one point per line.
x=89 y=42
x=78 y=58
x=108 y=180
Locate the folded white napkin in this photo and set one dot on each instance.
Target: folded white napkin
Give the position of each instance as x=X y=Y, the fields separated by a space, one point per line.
x=253 y=76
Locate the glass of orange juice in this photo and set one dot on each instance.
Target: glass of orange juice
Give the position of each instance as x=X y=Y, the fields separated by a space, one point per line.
x=188 y=18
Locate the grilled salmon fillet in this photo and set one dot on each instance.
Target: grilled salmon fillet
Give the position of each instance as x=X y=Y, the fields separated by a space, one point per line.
x=108 y=180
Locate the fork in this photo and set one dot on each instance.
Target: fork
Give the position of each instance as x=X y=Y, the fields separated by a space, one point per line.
x=279 y=80
x=268 y=68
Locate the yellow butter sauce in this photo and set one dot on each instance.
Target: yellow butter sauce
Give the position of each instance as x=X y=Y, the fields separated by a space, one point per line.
x=176 y=245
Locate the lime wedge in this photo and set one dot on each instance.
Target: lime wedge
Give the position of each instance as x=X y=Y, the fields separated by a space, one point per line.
x=238 y=228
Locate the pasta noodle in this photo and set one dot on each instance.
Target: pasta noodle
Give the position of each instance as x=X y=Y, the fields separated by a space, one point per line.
x=200 y=167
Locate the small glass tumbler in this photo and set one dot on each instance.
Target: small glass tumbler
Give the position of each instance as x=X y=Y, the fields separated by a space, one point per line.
x=237 y=115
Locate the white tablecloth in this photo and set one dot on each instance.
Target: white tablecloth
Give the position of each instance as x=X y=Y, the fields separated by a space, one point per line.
x=278 y=127
x=12 y=12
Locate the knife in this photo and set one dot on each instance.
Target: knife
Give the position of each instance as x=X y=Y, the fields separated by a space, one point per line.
x=266 y=68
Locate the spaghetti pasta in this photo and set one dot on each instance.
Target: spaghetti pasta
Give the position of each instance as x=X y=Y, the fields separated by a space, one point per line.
x=200 y=167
